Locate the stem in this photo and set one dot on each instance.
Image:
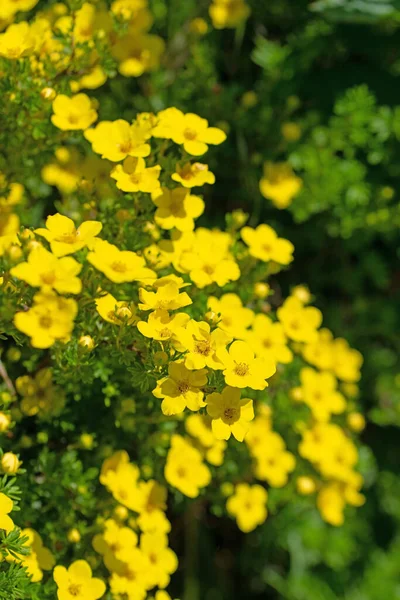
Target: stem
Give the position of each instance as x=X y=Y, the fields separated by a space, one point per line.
x=7 y=380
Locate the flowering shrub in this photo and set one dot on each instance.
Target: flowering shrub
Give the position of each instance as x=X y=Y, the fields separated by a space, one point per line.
x=154 y=374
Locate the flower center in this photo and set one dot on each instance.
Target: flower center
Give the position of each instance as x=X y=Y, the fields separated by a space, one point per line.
x=190 y=134
x=48 y=278
x=202 y=347
x=165 y=333
x=75 y=589
x=45 y=322
x=231 y=414
x=183 y=386
x=73 y=119
x=267 y=343
x=125 y=147
x=67 y=238
x=266 y=248
x=119 y=266
x=209 y=269
x=135 y=178
x=242 y=369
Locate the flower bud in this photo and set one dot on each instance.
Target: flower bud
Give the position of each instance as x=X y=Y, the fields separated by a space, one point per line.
x=10 y=463
x=87 y=342
x=356 y=421
x=73 y=536
x=261 y=290
x=305 y=485
x=48 y=93
x=5 y=422
x=121 y=512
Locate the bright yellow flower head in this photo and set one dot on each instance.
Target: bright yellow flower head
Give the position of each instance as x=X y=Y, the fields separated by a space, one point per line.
x=248 y=505
x=233 y=317
x=73 y=113
x=162 y=326
x=116 y=312
x=177 y=208
x=181 y=389
x=166 y=297
x=279 y=184
x=50 y=319
x=300 y=322
x=266 y=245
x=202 y=345
x=228 y=13
x=6 y=506
x=77 y=583
x=185 y=469
x=193 y=174
x=319 y=392
x=230 y=414
x=133 y=176
x=268 y=340
x=9 y=8
x=272 y=462
x=44 y=270
x=64 y=238
x=242 y=369
x=192 y=132
x=115 y=140
x=40 y=558
x=117 y=265
x=138 y=53
x=162 y=560
x=17 y=41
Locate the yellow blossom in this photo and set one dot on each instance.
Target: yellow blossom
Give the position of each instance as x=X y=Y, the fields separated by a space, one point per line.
x=117 y=265
x=279 y=184
x=162 y=560
x=242 y=369
x=162 y=326
x=64 y=238
x=300 y=323
x=138 y=53
x=133 y=176
x=268 y=340
x=185 y=469
x=232 y=316
x=177 y=208
x=266 y=245
x=115 y=140
x=50 y=319
x=228 y=13
x=193 y=174
x=6 y=506
x=230 y=414
x=202 y=345
x=248 y=505
x=166 y=297
x=116 y=312
x=44 y=270
x=73 y=113
x=319 y=392
x=17 y=41
x=181 y=389
x=77 y=582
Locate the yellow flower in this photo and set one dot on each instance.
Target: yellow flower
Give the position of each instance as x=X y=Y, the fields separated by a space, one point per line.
x=162 y=326
x=166 y=297
x=50 y=319
x=181 y=389
x=268 y=340
x=73 y=113
x=233 y=317
x=230 y=414
x=242 y=369
x=138 y=53
x=129 y=578
x=273 y=462
x=248 y=505
x=300 y=323
x=116 y=312
x=184 y=468
x=177 y=208
x=193 y=132
x=280 y=184
x=319 y=392
x=133 y=176
x=44 y=270
x=40 y=558
x=6 y=506
x=114 y=542
x=228 y=13
x=266 y=245
x=115 y=140
x=64 y=238
x=162 y=560
x=17 y=41
x=117 y=265
x=77 y=582
x=39 y=394
x=202 y=345
x=193 y=174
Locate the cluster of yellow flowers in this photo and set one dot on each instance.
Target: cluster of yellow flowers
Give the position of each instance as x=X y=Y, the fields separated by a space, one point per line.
x=200 y=311
x=93 y=32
